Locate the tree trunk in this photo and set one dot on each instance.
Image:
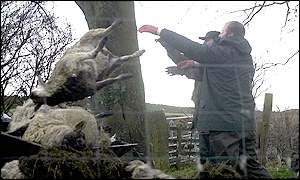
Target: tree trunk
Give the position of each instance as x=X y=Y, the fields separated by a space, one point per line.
x=128 y=118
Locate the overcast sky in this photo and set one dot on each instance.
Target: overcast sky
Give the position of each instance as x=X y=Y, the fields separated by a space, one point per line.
x=193 y=19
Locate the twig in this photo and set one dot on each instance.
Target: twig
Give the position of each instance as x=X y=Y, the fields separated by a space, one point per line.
x=286 y=16
x=277 y=3
x=275 y=64
x=254 y=13
x=251 y=11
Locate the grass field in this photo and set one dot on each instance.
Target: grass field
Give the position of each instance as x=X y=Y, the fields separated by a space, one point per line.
x=189 y=171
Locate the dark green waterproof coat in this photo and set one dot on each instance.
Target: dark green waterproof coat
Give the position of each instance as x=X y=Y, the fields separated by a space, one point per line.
x=225 y=95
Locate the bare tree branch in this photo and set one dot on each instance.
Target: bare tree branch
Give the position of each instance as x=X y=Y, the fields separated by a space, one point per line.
x=30 y=44
x=269 y=65
x=252 y=16
x=260 y=72
x=287 y=15
x=248 y=15
x=256 y=6
x=263 y=5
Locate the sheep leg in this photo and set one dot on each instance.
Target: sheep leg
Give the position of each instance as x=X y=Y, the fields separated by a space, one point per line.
x=103 y=40
x=118 y=61
x=105 y=82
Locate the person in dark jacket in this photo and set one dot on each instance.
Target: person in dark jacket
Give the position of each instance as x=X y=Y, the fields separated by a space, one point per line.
x=194 y=72
x=226 y=112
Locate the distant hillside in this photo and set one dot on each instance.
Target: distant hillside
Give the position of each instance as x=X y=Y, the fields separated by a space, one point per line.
x=170 y=109
x=181 y=111
x=291 y=113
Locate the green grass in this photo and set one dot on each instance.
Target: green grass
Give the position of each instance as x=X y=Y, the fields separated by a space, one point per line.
x=280 y=172
x=185 y=171
x=189 y=171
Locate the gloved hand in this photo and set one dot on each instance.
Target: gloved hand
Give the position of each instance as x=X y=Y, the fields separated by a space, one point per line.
x=149 y=29
x=186 y=64
x=173 y=70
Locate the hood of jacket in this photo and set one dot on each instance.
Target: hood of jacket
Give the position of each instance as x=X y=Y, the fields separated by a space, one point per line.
x=239 y=43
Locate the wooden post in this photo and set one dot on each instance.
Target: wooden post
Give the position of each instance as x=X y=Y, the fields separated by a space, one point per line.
x=157 y=134
x=264 y=127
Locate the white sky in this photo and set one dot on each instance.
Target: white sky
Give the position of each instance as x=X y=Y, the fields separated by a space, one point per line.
x=193 y=19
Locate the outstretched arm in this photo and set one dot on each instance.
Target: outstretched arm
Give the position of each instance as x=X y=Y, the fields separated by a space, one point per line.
x=180 y=43
x=175 y=55
x=193 y=50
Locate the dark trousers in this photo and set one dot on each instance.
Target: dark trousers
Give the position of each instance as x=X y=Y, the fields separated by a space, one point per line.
x=221 y=146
